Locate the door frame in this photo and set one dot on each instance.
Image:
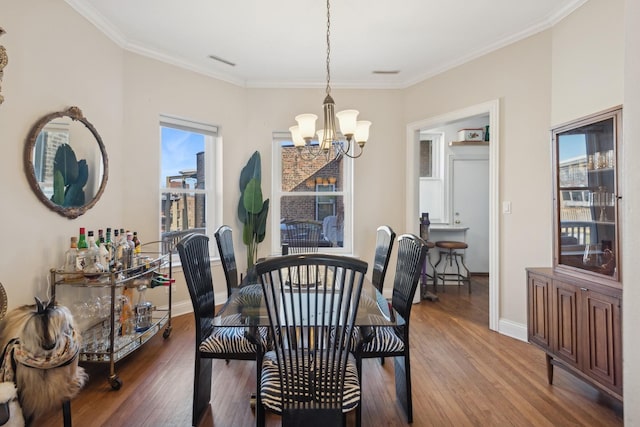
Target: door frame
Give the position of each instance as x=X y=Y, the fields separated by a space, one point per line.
x=412 y=184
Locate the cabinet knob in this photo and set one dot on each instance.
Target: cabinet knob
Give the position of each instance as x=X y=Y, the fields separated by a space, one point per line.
x=584 y=289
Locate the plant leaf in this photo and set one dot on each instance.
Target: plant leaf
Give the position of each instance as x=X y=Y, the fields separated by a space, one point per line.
x=242 y=212
x=252 y=170
x=58 y=188
x=261 y=222
x=253 y=197
x=247 y=233
x=65 y=162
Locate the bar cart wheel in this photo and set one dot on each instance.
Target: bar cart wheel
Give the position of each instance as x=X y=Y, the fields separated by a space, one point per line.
x=167 y=332
x=115 y=382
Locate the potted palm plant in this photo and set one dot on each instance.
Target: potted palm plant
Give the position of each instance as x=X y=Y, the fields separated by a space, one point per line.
x=252 y=209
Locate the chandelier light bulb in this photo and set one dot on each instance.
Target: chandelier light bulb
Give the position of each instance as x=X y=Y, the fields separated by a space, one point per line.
x=298 y=140
x=347 y=120
x=307 y=125
x=362 y=132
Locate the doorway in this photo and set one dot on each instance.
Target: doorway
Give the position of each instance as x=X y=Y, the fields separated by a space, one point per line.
x=413 y=198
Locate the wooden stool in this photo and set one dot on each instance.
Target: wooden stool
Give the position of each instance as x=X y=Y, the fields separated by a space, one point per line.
x=450 y=249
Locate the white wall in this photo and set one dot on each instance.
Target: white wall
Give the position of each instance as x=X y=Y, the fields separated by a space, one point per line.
x=524 y=149
x=588 y=61
x=56 y=60
x=631 y=219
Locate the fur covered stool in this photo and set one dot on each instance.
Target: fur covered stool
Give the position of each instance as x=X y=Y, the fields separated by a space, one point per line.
x=40 y=357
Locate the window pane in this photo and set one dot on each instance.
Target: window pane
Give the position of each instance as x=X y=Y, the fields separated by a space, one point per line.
x=426 y=159
x=187 y=152
x=325 y=208
x=182 y=159
x=303 y=175
x=183 y=211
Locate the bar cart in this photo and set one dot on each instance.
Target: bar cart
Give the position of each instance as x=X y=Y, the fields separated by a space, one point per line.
x=124 y=325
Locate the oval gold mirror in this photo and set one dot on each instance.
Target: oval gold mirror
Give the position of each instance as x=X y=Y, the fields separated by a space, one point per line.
x=66 y=162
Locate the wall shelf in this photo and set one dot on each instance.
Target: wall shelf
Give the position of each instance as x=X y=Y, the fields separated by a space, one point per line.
x=471 y=143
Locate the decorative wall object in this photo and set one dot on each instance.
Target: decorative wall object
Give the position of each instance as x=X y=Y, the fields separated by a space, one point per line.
x=4 y=60
x=66 y=162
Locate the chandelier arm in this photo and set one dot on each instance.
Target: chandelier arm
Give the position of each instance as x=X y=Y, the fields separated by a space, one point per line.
x=307 y=153
x=346 y=152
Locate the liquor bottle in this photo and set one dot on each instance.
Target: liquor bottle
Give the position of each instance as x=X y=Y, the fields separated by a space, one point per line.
x=124 y=251
x=160 y=280
x=82 y=249
x=132 y=249
x=137 y=244
x=109 y=246
x=71 y=261
x=130 y=241
x=116 y=254
x=105 y=259
x=92 y=265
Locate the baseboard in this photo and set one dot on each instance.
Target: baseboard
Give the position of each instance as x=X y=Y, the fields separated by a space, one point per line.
x=179 y=308
x=513 y=329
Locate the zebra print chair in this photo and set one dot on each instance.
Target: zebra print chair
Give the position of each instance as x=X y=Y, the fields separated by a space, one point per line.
x=393 y=341
x=310 y=376
x=212 y=341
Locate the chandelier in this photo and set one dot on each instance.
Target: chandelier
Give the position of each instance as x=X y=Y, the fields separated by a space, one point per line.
x=355 y=132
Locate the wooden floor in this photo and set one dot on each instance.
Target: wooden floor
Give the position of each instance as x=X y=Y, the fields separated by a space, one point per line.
x=463 y=375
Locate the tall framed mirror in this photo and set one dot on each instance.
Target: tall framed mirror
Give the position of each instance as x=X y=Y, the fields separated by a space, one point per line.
x=66 y=162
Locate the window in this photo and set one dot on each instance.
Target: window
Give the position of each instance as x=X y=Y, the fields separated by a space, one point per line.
x=426 y=158
x=431 y=179
x=188 y=187
x=314 y=190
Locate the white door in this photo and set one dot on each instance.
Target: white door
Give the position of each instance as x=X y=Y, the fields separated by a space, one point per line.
x=470 y=206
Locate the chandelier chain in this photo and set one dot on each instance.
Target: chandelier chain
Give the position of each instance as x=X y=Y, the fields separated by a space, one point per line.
x=328 y=90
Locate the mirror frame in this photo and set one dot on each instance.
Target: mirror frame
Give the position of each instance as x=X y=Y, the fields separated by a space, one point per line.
x=69 y=212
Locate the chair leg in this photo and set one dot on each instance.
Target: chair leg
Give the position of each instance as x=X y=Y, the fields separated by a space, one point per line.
x=436 y=274
x=260 y=412
x=201 y=387
x=402 y=370
x=468 y=275
x=66 y=413
x=359 y=407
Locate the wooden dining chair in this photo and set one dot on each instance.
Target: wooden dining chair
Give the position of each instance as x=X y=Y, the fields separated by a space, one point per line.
x=385 y=237
x=303 y=236
x=212 y=341
x=224 y=241
x=310 y=377
x=393 y=341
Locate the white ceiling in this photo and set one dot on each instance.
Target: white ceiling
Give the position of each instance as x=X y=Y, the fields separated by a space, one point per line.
x=282 y=43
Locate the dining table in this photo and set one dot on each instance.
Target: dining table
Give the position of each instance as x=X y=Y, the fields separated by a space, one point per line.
x=246 y=308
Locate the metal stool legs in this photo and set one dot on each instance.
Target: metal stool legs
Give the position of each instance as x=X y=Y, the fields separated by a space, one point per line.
x=450 y=255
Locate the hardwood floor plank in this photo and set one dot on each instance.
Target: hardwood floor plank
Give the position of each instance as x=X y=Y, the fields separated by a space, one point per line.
x=463 y=374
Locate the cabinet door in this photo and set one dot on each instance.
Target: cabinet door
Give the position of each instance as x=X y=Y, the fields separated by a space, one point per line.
x=565 y=320
x=602 y=338
x=586 y=196
x=538 y=316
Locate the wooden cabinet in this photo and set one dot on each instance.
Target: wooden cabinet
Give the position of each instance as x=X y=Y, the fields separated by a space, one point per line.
x=574 y=307
x=578 y=324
